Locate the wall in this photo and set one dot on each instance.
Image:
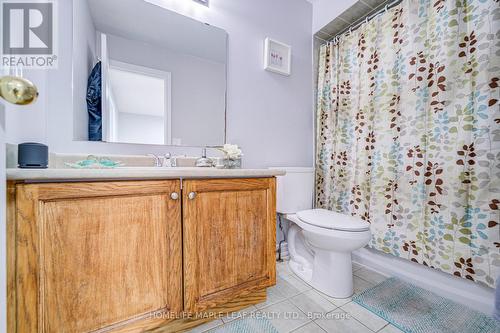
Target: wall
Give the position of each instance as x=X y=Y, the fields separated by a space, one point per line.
x=198 y=88
x=28 y=123
x=326 y=10
x=84 y=44
x=3 y=225
x=269 y=115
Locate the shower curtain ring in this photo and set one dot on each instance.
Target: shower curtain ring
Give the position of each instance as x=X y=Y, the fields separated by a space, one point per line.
x=366 y=20
x=386 y=8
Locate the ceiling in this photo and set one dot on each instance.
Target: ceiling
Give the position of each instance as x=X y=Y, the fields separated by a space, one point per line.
x=139 y=20
x=350 y=16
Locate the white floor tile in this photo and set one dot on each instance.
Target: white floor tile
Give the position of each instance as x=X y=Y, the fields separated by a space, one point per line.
x=207 y=326
x=284 y=316
x=312 y=303
x=239 y=314
x=283 y=269
x=273 y=296
x=340 y=322
x=390 y=329
x=366 y=317
x=309 y=328
x=336 y=301
x=290 y=286
x=361 y=285
x=370 y=276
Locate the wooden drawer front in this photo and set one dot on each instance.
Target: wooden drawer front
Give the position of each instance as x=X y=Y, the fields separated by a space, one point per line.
x=100 y=253
x=229 y=239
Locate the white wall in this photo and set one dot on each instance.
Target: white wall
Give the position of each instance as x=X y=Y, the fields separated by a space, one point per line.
x=326 y=10
x=28 y=123
x=3 y=226
x=269 y=115
x=84 y=44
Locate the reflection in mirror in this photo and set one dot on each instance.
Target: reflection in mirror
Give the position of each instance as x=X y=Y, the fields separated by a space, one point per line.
x=162 y=75
x=139 y=104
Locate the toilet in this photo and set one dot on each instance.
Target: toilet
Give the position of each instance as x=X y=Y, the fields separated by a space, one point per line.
x=320 y=241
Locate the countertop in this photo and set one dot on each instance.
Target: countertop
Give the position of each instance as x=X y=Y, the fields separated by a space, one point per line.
x=126 y=173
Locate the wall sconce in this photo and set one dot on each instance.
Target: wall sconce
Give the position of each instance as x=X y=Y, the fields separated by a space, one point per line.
x=203 y=2
x=17 y=90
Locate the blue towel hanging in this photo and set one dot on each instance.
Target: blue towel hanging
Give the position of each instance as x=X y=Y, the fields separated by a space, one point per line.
x=94 y=105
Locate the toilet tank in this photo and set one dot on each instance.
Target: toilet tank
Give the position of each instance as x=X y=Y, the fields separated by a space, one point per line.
x=294 y=190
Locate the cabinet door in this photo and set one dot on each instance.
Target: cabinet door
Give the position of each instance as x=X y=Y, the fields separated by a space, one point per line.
x=90 y=255
x=229 y=239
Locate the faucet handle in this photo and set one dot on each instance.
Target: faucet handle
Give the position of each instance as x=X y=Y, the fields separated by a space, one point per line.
x=168 y=160
x=157 y=159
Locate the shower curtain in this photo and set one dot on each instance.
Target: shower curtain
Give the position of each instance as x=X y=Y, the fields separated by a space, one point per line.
x=408 y=133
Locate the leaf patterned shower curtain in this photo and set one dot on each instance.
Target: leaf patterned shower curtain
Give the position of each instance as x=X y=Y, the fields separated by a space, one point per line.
x=408 y=133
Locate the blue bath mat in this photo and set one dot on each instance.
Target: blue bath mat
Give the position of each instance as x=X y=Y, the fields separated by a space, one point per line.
x=416 y=310
x=246 y=325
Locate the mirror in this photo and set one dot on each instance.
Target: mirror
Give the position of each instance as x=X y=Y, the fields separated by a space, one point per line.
x=162 y=75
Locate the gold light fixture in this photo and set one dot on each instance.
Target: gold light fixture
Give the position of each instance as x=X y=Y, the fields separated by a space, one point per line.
x=17 y=90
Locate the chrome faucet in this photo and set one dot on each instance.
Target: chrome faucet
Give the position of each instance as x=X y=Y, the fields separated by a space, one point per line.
x=157 y=159
x=163 y=161
x=168 y=161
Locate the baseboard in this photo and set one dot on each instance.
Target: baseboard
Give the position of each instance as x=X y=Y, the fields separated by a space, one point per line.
x=457 y=289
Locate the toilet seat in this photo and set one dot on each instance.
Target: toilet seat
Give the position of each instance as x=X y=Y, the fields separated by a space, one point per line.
x=327 y=219
x=311 y=228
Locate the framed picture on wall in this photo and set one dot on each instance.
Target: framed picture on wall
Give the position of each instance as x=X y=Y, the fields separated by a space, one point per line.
x=277 y=57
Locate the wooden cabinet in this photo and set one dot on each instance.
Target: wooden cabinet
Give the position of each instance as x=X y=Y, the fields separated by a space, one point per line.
x=229 y=237
x=90 y=255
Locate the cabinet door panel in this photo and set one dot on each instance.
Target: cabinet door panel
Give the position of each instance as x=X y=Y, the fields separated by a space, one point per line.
x=229 y=239
x=111 y=255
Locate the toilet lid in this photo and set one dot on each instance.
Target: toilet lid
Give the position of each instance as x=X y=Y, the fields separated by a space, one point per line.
x=332 y=220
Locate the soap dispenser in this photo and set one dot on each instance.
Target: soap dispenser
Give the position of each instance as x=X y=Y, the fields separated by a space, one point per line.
x=203 y=161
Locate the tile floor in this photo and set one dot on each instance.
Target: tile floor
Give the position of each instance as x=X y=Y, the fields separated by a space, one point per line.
x=293 y=306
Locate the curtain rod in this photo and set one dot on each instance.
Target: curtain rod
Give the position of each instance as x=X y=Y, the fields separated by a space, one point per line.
x=379 y=9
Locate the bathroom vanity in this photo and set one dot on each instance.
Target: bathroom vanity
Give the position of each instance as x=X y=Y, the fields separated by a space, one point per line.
x=117 y=253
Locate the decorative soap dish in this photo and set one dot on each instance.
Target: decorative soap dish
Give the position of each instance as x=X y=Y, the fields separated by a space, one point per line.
x=93 y=162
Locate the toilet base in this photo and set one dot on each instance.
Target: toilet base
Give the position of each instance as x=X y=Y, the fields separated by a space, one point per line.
x=303 y=272
x=330 y=274
x=322 y=257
